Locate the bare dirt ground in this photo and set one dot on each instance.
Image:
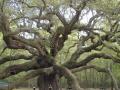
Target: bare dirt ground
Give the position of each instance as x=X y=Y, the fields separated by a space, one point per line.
x=24 y=89
x=63 y=89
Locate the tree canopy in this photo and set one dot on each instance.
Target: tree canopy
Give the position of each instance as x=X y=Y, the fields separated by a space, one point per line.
x=59 y=36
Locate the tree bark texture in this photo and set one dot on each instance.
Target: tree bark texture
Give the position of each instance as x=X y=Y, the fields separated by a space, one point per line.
x=48 y=82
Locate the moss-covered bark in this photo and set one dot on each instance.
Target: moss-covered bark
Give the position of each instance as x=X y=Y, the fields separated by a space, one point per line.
x=48 y=82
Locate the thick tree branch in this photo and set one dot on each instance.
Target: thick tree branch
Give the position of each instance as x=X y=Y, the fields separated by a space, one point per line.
x=98 y=55
x=99 y=69
x=61 y=18
x=12 y=58
x=44 y=2
x=78 y=12
x=12 y=70
x=4 y=28
x=90 y=58
x=16 y=42
x=113 y=48
x=63 y=35
x=35 y=44
x=35 y=63
x=71 y=78
x=81 y=50
x=31 y=75
x=55 y=43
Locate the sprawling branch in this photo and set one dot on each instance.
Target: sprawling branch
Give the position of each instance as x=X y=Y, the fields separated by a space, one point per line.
x=98 y=55
x=99 y=69
x=33 y=43
x=12 y=70
x=81 y=50
x=32 y=74
x=4 y=25
x=113 y=48
x=16 y=57
x=35 y=63
x=90 y=58
x=71 y=78
x=16 y=42
x=63 y=35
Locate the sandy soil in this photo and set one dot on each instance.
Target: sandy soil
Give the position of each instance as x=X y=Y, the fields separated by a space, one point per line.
x=24 y=89
x=63 y=89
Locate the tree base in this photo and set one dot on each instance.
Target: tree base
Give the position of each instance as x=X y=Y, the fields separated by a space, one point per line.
x=48 y=82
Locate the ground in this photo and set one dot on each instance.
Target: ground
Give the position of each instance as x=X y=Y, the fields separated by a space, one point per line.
x=24 y=89
x=63 y=89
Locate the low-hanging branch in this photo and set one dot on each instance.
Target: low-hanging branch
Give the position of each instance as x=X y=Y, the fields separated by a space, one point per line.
x=66 y=72
x=98 y=55
x=69 y=76
x=90 y=58
x=99 y=69
x=13 y=58
x=35 y=63
x=32 y=74
x=12 y=70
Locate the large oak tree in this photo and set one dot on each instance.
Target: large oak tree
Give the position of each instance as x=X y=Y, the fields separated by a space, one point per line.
x=23 y=21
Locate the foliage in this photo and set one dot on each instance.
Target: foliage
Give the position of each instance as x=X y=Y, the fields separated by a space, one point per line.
x=74 y=37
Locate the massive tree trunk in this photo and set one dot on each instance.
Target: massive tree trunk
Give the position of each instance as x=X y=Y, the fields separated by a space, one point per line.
x=48 y=82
